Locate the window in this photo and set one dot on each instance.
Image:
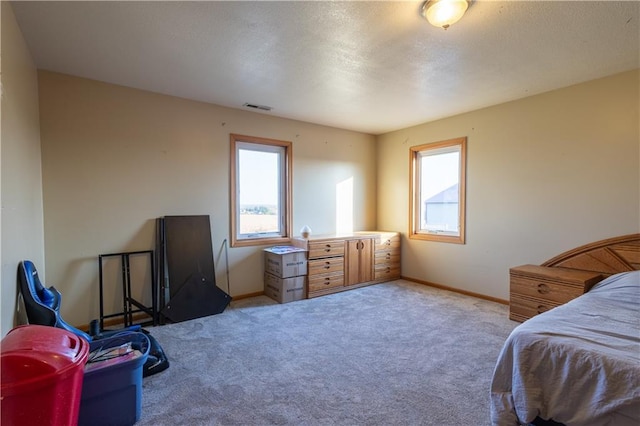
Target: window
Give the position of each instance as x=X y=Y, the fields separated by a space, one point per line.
x=260 y=191
x=437 y=188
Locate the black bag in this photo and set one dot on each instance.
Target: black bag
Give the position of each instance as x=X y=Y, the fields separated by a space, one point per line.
x=157 y=360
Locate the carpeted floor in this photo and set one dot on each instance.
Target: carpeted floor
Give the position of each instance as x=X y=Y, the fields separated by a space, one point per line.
x=396 y=353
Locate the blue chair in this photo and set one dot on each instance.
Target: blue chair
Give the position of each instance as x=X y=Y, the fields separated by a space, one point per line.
x=42 y=304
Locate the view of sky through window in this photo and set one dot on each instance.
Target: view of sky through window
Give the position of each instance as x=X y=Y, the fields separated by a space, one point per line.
x=439 y=172
x=258 y=177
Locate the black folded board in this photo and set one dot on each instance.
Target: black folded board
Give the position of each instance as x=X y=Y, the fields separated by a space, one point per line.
x=190 y=270
x=197 y=298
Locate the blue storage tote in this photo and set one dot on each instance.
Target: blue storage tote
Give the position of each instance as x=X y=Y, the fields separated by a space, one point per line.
x=112 y=394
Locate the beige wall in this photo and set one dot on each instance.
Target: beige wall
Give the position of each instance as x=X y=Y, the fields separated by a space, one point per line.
x=544 y=174
x=22 y=223
x=114 y=159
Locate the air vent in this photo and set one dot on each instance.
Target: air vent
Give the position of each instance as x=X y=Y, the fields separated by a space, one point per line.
x=255 y=106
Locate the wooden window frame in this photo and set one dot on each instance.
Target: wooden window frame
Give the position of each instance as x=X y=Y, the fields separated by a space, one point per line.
x=415 y=154
x=285 y=232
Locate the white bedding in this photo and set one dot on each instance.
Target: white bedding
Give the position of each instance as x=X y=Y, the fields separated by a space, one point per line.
x=578 y=364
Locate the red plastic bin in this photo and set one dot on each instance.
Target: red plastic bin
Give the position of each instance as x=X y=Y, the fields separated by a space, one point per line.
x=42 y=370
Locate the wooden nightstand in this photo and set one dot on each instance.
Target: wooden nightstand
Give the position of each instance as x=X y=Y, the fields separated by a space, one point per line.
x=536 y=289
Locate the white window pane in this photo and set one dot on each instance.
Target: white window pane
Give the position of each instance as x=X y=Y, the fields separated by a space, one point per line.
x=259 y=191
x=439 y=192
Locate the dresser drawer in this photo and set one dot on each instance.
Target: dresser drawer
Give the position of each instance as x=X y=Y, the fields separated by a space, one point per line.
x=386 y=272
x=543 y=289
x=572 y=277
x=320 y=249
x=323 y=282
x=523 y=308
x=387 y=257
x=325 y=266
x=388 y=243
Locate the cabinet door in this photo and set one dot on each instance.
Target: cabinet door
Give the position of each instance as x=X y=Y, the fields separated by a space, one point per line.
x=359 y=259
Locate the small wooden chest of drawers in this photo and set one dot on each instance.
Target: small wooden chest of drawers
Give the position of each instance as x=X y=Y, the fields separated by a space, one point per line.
x=387 y=257
x=326 y=264
x=536 y=289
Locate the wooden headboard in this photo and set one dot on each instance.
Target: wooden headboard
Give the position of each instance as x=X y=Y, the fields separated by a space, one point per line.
x=608 y=257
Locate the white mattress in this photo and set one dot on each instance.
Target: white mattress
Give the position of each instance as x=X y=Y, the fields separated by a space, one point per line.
x=578 y=364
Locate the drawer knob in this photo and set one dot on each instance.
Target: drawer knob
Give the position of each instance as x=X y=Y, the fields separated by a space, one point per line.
x=543 y=288
x=388 y=256
x=327 y=250
x=542 y=308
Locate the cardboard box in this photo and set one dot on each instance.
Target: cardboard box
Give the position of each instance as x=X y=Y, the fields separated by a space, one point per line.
x=285 y=261
x=285 y=290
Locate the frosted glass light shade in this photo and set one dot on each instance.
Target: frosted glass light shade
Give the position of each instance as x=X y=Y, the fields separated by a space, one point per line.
x=442 y=13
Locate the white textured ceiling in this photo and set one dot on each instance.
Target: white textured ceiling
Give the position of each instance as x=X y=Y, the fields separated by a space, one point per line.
x=366 y=66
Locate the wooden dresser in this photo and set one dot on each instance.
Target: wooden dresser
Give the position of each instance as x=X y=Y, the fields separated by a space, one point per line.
x=536 y=289
x=342 y=262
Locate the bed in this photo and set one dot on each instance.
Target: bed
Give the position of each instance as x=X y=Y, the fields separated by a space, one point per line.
x=578 y=364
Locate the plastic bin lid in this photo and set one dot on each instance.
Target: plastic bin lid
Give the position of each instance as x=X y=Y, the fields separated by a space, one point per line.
x=33 y=356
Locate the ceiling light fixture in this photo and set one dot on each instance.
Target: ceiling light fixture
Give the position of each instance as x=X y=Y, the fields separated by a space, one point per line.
x=443 y=13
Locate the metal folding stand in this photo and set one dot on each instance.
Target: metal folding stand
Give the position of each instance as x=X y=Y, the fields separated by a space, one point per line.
x=130 y=305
